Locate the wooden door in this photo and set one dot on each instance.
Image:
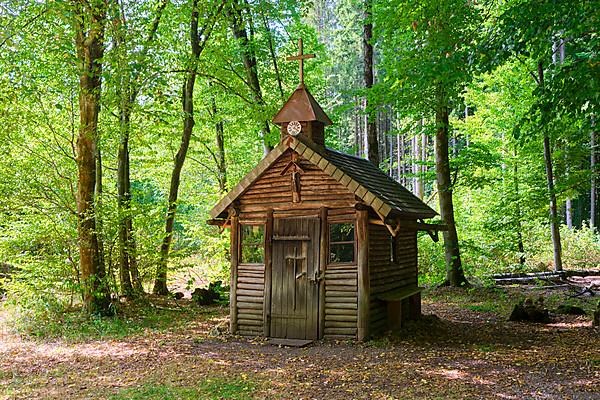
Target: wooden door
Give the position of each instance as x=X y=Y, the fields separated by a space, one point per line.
x=294 y=289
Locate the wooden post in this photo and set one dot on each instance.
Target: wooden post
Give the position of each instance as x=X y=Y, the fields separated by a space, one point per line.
x=323 y=258
x=268 y=269
x=364 y=287
x=235 y=255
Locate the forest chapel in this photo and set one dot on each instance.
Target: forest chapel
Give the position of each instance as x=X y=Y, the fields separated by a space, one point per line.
x=323 y=243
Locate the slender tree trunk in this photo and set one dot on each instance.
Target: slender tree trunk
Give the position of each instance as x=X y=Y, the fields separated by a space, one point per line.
x=398 y=157
x=220 y=155
x=558 y=57
x=357 y=142
x=368 y=75
x=123 y=201
x=273 y=56
x=417 y=152
x=423 y=168
x=454 y=272
x=98 y=213
x=198 y=40
x=128 y=91
x=554 y=221
x=569 y=213
x=89 y=22
x=518 y=214
x=250 y=64
x=593 y=161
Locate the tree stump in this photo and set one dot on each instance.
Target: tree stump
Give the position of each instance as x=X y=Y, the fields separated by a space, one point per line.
x=211 y=295
x=178 y=295
x=530 y=311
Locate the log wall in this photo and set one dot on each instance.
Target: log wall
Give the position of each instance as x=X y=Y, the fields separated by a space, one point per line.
x=386 y=275
x=274 y=191
x=341 y=302
x=250 y=298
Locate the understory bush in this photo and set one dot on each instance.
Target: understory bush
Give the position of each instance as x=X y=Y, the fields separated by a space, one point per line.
x=486 y=253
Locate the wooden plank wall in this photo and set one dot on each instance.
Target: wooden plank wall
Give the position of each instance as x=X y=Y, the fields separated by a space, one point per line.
x=250 y=297
x=274 y=191
x=385 y=275
x=341 y=303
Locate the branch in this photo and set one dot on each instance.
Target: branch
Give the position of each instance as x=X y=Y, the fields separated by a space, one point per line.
x=224 y=85
x=25 y=25
x=202 y=164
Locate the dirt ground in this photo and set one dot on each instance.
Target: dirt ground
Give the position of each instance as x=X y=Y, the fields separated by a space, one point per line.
x=464 y=352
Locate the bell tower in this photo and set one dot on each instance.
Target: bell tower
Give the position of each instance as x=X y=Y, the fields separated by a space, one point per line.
x=301 y=114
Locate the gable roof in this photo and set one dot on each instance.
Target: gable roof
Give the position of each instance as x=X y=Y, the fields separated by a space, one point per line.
x=358 y=175
x=301 y=106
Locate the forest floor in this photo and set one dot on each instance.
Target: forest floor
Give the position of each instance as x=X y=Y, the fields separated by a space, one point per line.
x=467 y=350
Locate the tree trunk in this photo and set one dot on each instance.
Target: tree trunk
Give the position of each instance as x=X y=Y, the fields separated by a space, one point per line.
x=398 y=157
x=89 y=22
x=128 y=91
x=520 y=245
x=99 y=223
x=594 y=173
x=554 y=221
x=454 y=272
x=273 y=55
x=123 y=200
x=418 y=184
x=250 y=65
x=198 y=40
x=423 y=168
x=372 y=142
x=220 y=156
x=569 y=213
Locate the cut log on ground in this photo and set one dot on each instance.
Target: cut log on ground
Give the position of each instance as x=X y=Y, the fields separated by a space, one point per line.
x=530 y=311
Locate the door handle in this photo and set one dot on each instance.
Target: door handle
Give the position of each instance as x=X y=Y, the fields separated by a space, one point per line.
x=317 y=278
x=300 y=275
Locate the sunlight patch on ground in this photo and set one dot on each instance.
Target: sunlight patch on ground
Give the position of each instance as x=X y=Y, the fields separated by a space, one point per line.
x=579 y=323
x=508 y=396
x=29 y=354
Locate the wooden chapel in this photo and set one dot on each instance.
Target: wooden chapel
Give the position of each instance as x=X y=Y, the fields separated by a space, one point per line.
x=323 y=244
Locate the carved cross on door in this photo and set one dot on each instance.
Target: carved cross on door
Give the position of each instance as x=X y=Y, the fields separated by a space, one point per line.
x=293 y=261
x=295 y=171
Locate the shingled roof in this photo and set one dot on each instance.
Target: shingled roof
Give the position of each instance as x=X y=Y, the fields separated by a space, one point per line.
x=386 y=196
x=301 y=106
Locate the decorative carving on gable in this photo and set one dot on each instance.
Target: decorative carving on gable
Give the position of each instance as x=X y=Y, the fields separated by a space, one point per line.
x=294 y=169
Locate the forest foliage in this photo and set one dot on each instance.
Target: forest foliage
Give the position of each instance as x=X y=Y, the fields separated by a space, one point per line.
x=514 y=76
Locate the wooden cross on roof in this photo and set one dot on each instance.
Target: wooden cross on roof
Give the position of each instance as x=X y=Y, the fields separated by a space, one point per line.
x=300 y=58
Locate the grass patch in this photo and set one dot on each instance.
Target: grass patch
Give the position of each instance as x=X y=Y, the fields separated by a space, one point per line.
x=209 y=389
x=133 y=318
x=479 y=299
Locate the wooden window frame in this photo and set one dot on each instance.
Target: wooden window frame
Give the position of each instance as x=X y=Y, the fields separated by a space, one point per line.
x=329 y=242
x=241 y=242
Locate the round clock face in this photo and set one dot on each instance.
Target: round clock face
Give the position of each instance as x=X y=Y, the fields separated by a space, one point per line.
x=294 y=128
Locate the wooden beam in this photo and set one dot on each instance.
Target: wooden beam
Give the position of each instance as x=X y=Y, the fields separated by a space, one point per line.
x=323 y=258
x=235 y=250
x=364 y=287
x=216 y=222
x=268 y=272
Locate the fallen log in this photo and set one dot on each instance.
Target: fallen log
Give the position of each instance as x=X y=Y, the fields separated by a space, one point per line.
x=552 y=278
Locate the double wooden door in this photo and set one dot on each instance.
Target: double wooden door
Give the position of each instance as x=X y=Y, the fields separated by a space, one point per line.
x=294 y=279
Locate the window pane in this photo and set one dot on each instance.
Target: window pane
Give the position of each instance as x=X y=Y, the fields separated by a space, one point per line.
x=341 y=232
x=253 y=237
x=341 y=253
x=341 y=243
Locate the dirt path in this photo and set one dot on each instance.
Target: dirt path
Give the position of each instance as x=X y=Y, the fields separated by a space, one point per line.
x=463 y=354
